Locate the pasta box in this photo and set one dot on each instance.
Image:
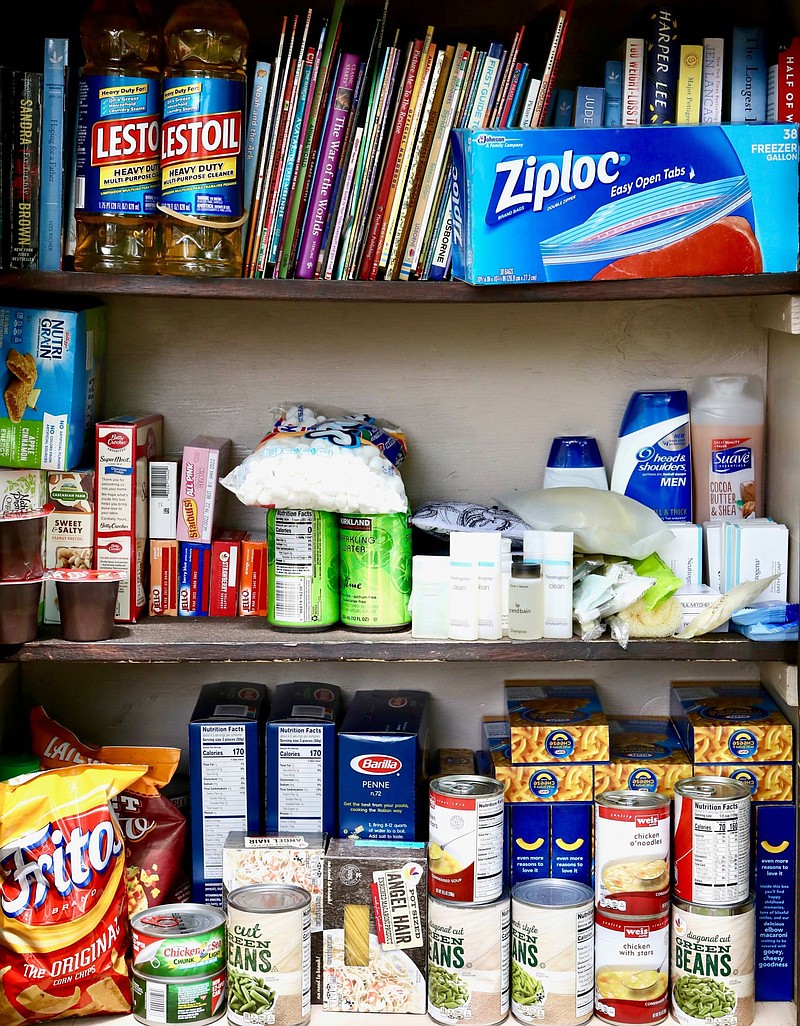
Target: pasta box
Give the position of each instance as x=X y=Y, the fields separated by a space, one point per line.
x=657 y=201
x=549 y=840
x=555 y=721
x=646 y=754
x=774 y=832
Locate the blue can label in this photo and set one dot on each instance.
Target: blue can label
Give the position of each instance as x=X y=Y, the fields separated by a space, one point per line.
x=201 y=147
x=117 y=160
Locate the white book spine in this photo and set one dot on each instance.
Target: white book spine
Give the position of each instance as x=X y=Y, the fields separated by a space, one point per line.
x=711 y=102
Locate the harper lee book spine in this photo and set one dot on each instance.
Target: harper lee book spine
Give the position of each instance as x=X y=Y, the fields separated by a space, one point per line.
x=662 y=57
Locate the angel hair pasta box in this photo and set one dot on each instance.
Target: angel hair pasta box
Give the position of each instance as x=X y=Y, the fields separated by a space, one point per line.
x=658 y=201
x=555 y=721
x=375 y=919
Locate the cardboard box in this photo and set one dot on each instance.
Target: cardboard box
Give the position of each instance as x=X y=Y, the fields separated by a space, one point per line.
x=163 y=577
x=124 y=447
x=383 y=889
x=646 y=754
x=22 y=491
x=253 y=575
x=69 y=536
x=301 y=757
x=694 y=599
x=383 y=757
x=774 y=844
x=768 y=781
x=226 y=773
x=555 y=721
x=657 y=201
x=163 y=491
x=205 y=460
x=553 y=840
x=50 y=380
x=538 y=782
x=684 y=553
x=226 y=561
x=194 y=575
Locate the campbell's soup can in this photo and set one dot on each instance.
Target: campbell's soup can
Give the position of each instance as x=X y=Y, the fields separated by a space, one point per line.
x=552 y=952
x=465 y=838
x=177 y=941
x=468 y=960
x=632 y=852
x=712 y=840
x=712 y=963
x=190 y=1000
x=269 y=955
x=631 y=955
x=375 y=571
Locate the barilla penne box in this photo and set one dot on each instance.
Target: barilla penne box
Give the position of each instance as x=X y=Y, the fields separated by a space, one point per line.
x=124 y=447
x=205 y=460
x=163 y=577
x=301 y=757
x=646 y=754
x=549 y=840
x=542 y=782
x=383 y=757
x=730 y=723
x=22 y=491
x=226 y=562
x=253 y=575
x=69 y=535
x=774 y=832
x=548 y=205
x=555 y=721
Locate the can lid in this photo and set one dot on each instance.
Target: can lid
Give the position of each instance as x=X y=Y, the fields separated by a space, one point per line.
x=177 y=920
x=268 y=898
x=552 y=892
x=718 y=789
x=629 y=799
x=467 y=784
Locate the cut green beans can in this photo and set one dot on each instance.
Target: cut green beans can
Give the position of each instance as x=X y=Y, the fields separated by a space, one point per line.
x=468 y=960
x=269 y=955
x=712 y=961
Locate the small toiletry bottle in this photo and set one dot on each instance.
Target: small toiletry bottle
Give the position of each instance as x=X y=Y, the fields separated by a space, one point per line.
x=488 y=555
x=463 y=616
x=575 y=462
x=533 y=546
x=557 y=574
x=525 y=601
x=430 y=596
x=505 y=578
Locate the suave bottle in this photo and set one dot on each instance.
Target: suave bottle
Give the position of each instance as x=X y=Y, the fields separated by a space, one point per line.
x=653 y=458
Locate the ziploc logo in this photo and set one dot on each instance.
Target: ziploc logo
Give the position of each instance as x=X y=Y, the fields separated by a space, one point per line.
x=372 y=765
x=731 y=461
x=528 y=183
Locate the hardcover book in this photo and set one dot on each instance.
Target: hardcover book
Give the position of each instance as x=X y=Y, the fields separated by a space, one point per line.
x=788 y=81
x=632 y=81
x=712 y=82
x=25 y=135
x=53 y=147
x=562 y=107
x=690 y=84
x=589 y=106
x=255 y=124
x=612 y=111
x=550 y=68
x=662 y=56
x=748 y=76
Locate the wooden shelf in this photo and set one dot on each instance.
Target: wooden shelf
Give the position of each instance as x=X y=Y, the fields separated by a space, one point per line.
x=250 y=639
x=153 y=286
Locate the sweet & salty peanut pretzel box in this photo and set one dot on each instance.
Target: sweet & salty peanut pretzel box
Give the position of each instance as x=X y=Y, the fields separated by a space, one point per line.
x=555 y=722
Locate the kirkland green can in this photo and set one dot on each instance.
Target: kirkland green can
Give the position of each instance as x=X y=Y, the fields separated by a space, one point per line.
x=375 y=571
x=303 y=553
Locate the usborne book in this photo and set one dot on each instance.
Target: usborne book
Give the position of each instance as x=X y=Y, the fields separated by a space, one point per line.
x=25 y=132
x=662 y=55
x=689 y=84
x=612 y=99
x=589 y=104
x=713 y=72
x=632 y=81
x=748 y=74
x=53 y=146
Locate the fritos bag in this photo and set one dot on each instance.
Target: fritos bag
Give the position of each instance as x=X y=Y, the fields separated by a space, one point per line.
x=155 y=830
x=63 y=904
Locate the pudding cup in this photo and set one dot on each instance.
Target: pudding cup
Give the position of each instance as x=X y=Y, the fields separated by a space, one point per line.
x=87 y=601
x=21 y=536
x=19 y=610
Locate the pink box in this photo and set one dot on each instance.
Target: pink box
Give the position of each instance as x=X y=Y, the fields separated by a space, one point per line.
x=205 y=459
x=124 y=447
x=226 y=552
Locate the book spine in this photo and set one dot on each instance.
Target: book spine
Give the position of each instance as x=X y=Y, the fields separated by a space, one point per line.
x=662 y=57
x=330 y=148
x=534 y=85
x=748 y=75
x=788 y=81
x=347 y=189
x=53 y=181
x=690 y=85
x=563 y=107
x=26 y=134
x=612 y=107
x=713 y=72
x=633 y=78
x=589 y=105
x=772 y=92
x=255 y=124
x=516 y=106
x=542 y=105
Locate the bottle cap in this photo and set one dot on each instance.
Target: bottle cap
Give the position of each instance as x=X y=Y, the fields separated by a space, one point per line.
x=574 y=451
x=526 y=569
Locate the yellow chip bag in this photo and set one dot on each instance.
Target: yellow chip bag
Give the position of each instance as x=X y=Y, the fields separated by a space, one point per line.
x=63 y=900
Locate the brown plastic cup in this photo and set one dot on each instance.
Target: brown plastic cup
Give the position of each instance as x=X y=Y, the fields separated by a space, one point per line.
x=21 y=536
x=19 y=611
x=87 y=601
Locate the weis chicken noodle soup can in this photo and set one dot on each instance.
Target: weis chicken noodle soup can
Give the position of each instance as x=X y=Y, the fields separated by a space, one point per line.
x=552 y=952
x=711 y=963
x=269 y=955
x=631 y=955
x=191 y=1000
x=712 y=840
x=178 y=941
x=632 y=852
x=468 y=961
x=465 y=849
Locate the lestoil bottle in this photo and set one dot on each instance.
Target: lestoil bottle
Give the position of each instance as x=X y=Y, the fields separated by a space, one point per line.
x=728 y=446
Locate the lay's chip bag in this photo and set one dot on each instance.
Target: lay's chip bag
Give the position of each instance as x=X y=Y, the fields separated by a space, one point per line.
x=63 y=901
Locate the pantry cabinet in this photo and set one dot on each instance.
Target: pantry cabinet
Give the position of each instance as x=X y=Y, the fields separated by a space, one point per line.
x=480 y=380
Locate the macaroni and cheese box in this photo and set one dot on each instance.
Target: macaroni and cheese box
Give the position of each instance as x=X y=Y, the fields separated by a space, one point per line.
x=555 y=721
x=538 y=782
x=646 y=755
x=768 y=781
x=50 y=380
x=730 y=723
x=656 y=201
x=553 y=840
x=774 y=833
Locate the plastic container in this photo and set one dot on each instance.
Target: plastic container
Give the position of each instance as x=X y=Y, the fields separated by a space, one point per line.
x=202 y=172
x=575 y=461
x=87 y=600
x=430 y=596
x=118 y=152
x=728 y=446
x=19 y=611
x=21 y=544
x=526 y=601
x=652 y=463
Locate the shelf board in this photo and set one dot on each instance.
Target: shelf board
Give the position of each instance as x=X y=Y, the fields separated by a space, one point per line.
x=167 y=286
x=250 y=639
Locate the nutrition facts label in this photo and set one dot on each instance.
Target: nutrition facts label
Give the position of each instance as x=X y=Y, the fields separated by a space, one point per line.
x=223 y=763
x=721 y=851
x=300 y=777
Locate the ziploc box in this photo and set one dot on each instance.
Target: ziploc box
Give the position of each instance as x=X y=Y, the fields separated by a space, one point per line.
x=123 y=449
x=657 y=201
x=537 y=782
x=383 y=756
x=773 y=882
x=50 y=381
x=646 y=755
x=375 y=926
x=555 y=721
x=226 y=770
x=301 y=757
x=205 y=459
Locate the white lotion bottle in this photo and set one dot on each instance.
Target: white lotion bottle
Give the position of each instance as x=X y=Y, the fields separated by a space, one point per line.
x=430 y=597
x=557 y=576
x=463 y=615
x=489 y=557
